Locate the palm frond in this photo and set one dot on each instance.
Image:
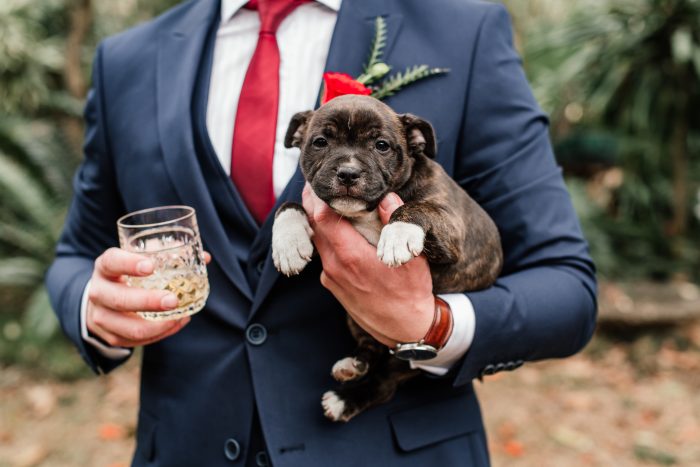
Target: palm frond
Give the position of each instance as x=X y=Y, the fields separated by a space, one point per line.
x=36 y=147
x=16 y=237
x=24 y=194
x=21 y=271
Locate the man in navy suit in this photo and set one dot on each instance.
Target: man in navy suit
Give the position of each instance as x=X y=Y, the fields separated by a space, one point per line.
x=240 y=382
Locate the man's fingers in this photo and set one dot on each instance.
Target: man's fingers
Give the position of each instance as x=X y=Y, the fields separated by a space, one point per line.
x=116 y=262
x=323 y=214
x=125 y=329
x=329 y=228
x=307 y=201
x=118 y=296
x=389 y=204
x=326 y=223
x=306 y=192
x=207 y=257
x=327 y=282
x=316 y=209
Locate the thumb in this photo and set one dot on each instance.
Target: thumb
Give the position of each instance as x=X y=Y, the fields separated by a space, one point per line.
x=389 y=204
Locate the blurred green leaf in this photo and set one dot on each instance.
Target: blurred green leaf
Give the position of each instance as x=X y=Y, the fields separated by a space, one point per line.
x=682 y=45
x=21 y=271
x=39 y=318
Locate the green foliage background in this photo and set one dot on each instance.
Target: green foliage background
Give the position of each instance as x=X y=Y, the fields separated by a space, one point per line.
x=45 y=54
x=620 y=79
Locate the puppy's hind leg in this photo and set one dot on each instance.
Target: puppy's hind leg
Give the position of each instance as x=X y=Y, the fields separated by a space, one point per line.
x=365 y=355
x=377 y=387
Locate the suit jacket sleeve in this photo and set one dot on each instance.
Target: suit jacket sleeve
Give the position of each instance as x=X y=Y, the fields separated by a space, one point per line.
x=90 y=226
x=544 y=304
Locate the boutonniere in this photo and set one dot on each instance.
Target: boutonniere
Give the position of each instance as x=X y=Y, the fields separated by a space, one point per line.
x=373 y=81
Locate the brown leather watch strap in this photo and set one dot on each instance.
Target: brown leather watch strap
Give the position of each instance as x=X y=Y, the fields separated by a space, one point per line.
x=441 y=329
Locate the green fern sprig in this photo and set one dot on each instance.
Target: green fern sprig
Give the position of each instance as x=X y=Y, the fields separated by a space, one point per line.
x=376 y=51
x=410 y=75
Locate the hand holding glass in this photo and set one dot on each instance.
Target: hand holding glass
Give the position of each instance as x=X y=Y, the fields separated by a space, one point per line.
x=169 y=236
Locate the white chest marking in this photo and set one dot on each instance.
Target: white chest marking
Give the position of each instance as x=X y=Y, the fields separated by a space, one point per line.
x=369 y=225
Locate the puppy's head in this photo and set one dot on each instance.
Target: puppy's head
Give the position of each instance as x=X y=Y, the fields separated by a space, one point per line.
x=355 y=149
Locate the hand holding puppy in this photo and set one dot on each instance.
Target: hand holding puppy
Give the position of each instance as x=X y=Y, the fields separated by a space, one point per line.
x=392 y=304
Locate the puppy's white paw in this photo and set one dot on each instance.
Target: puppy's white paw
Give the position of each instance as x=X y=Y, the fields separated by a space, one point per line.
x=291 y=242
x=348 y=369
x=399 y=242
x=333 y=406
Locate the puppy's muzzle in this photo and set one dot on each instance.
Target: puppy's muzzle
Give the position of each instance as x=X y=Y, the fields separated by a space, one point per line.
x=348 y=176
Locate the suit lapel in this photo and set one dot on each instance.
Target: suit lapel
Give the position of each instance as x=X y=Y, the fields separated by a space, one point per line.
x=354 y=32
x=350 y=46
x=179 y=53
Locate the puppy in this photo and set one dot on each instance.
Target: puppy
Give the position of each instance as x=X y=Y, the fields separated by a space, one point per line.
x=354 y=151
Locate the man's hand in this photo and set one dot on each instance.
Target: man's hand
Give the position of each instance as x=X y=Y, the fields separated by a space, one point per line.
x=112 y=304
x=392 y=304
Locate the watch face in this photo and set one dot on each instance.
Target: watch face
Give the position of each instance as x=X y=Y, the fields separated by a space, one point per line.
x=416 y=352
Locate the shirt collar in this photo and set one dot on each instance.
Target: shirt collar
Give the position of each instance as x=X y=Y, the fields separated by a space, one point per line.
x=231 y=7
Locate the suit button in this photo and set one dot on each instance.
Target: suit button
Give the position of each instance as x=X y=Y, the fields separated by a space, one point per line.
x=261 y=459
x=500 y=367
x=260 y=266
x=232 y=450
x=509 y=366
x=488 y=370
x=518 y=364
x=256 y=334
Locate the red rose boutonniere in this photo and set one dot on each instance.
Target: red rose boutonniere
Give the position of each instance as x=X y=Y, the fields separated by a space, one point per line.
x=339 y=84
x=367 y=84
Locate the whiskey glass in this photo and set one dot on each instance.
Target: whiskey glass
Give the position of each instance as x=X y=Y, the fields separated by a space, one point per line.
x=169 y=236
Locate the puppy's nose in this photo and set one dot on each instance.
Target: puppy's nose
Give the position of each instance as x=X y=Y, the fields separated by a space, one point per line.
x=348 y=175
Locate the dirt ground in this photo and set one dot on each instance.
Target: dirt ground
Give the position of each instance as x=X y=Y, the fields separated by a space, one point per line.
x=630 y=399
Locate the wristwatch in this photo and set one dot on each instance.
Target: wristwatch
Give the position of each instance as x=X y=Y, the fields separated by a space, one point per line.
x=434 y=340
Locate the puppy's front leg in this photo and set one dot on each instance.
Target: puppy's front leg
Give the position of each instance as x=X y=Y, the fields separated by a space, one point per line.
x=403 y=237
x=291 y=239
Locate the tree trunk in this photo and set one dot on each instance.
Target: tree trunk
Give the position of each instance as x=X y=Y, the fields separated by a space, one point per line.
x=80 y=22
x=679 y=165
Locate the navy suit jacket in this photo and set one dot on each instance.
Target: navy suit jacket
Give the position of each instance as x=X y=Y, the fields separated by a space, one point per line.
x=201 y=386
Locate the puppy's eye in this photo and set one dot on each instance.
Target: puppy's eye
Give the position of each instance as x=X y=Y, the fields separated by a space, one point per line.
x=320 y=142
x=382 y=146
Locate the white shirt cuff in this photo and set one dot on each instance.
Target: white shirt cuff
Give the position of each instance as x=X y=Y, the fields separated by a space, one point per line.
x=115 y=353
x=460 y=340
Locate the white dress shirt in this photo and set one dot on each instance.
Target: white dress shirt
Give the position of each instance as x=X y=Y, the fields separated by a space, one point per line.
x=304 y=38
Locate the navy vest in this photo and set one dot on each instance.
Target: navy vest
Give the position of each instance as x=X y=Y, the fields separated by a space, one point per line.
x=241 y=228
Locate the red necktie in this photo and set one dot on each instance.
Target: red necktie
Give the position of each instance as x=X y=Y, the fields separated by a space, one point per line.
x=256 y=118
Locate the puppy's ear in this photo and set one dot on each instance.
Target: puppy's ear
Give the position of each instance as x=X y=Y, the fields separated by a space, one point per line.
x=420 y=136
x=297 y=129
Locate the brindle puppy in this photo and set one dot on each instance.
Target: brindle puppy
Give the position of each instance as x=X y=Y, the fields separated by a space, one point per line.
x=355 y=150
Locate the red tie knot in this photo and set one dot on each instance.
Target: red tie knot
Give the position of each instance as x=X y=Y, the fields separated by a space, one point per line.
x=273 y=12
